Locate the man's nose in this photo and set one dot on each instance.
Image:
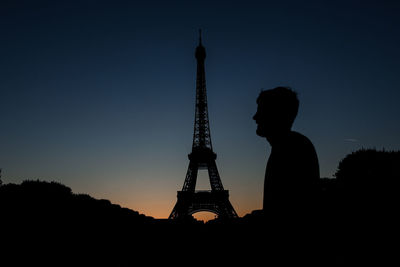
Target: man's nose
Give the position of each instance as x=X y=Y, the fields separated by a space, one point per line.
x=255 y=117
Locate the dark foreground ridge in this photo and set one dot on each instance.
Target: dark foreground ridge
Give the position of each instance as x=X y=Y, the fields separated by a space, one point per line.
x=353 y=223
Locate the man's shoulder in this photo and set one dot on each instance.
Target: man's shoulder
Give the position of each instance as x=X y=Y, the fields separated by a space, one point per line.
x=300 y=140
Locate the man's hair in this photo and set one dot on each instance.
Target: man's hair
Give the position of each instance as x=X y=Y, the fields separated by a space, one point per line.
x=282 y=100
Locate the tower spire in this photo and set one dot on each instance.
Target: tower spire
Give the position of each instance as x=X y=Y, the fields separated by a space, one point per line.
x=202 y=136
x=200 y=37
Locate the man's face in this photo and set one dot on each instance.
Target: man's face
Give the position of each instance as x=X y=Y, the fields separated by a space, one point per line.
x=270 y=123
x=264 y=120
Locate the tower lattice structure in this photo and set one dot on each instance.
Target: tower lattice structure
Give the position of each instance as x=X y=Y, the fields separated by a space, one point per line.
x=202 y=157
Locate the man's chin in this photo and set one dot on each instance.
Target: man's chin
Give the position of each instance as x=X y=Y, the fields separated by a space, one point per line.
x=260 y=133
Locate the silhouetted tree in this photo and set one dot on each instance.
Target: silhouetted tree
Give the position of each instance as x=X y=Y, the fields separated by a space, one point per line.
x=47 y=216
x=368 y=182
x=369 y=175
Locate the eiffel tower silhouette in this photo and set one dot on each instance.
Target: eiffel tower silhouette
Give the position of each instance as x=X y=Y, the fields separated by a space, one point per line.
x=202 y=156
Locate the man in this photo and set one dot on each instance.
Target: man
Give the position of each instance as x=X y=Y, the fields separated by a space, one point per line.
x=292 y=171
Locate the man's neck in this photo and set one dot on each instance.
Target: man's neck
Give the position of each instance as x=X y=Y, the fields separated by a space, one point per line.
x=278 y=139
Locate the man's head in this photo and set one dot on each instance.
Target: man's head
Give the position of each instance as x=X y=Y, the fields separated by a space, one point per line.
x=277 y=109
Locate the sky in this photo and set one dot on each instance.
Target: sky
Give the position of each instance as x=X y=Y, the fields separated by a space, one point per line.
x=100 y=95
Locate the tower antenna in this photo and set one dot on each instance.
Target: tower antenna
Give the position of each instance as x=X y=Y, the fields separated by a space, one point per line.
x=200 y=36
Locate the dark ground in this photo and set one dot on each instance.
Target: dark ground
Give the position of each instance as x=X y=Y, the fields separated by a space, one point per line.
x=45 y=224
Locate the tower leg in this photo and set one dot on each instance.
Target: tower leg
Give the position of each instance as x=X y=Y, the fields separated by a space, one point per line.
x=215 y=180
x=191 y=177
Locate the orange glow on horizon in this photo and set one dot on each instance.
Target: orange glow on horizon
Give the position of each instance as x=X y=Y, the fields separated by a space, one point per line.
x=163 y=213
x=204 y=216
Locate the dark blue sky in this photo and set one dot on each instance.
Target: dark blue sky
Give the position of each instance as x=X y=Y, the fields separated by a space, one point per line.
x=99 y=95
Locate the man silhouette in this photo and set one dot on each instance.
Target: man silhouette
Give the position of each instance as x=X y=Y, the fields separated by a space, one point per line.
x=292 y=171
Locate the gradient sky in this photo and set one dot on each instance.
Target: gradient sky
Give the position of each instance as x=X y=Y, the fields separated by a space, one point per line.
x=99 y=95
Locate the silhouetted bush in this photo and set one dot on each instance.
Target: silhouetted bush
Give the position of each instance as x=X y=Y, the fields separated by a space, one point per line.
x=369 y=169
x=369 y=179
x=367 y=182
x=46 y=218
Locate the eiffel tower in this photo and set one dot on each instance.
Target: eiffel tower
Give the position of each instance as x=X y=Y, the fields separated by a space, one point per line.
x=202 y=157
